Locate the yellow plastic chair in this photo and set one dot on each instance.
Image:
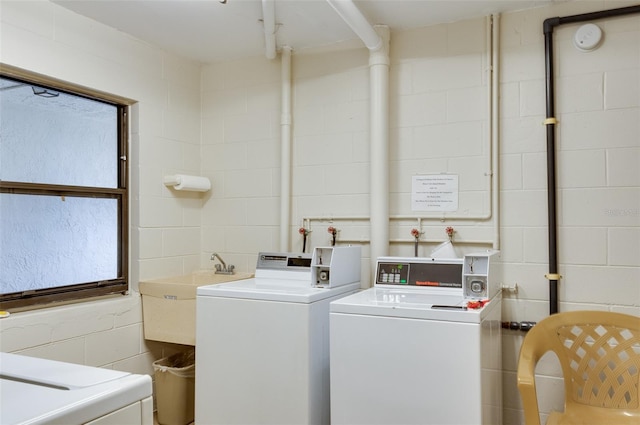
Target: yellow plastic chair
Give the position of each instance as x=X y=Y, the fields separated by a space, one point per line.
x=599 y=353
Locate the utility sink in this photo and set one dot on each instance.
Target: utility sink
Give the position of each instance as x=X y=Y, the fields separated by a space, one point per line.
x=169 y=304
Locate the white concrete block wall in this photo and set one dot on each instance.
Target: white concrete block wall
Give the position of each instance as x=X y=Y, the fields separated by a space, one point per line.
x=598 y=143
x=598 y=214
x=330 y=171
x=240 y=122
x=42 y=37
x=434 y=129
x=439 y=124
x=236 y=107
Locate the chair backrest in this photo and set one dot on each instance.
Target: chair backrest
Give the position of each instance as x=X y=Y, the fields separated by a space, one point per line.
x=599 y=353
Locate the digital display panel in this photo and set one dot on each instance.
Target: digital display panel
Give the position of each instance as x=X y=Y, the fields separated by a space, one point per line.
x=273 y=257
x=298 y=262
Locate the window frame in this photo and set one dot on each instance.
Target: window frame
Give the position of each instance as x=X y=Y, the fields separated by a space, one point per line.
x=32 y=299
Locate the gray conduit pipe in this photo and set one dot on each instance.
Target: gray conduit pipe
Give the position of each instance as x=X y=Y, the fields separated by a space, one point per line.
x=548 y=27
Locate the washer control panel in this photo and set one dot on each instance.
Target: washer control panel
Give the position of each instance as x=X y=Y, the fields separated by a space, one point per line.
x=401 y=271
x=474 y=274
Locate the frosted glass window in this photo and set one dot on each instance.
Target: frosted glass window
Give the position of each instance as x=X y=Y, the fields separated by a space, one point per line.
x=57 y=138
x=50 y=241
x=63 y=194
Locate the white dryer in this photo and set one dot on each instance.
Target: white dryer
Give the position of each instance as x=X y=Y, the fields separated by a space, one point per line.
x=262 y=344
x=39 y=391
x=412 y=350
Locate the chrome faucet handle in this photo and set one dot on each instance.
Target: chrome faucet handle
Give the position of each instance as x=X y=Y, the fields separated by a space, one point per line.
x=222 y=268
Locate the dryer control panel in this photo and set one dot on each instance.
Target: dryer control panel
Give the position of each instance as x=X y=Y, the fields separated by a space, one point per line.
x=283 y=261
x=289 y=266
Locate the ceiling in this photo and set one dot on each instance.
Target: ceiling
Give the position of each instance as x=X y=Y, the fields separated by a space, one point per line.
x=210 y=31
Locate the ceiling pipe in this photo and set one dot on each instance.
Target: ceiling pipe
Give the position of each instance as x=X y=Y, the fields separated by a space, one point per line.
x=269 y=22
x=350 y=13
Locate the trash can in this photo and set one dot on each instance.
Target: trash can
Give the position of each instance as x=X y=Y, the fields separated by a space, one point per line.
x=175 y=388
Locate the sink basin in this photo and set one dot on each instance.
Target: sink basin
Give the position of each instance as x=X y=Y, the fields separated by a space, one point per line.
x=169 y=304
x=198 y=278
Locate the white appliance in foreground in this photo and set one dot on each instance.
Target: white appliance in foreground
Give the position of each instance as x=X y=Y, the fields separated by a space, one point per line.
x=262 y=344
x=38 y=391
x=410 y=351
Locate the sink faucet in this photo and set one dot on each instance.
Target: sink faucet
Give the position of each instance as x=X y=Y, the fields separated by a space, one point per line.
x=222 y=269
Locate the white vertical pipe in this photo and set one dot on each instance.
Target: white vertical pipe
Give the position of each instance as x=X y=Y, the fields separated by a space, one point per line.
x=285 y=155
x=379 y=130
x=377 y=41
x=494 y=35
x=269 y=22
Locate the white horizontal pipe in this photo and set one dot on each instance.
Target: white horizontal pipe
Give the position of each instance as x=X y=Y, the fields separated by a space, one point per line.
x=269 y=22
x=350 y=13
x=401 y=217
x=458 y=241
x=412 y=241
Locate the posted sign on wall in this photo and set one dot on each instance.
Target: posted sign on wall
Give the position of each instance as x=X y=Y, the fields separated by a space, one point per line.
x=434 y=192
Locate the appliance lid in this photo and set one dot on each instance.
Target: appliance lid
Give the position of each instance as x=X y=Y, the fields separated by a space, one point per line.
x=53 y=373
x=413 y=303
x=38 y=391
x=274 y=290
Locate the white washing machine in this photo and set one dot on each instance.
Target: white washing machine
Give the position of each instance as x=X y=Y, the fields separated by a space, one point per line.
x=262 y=344
x=39 y=391
x=411 y=351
